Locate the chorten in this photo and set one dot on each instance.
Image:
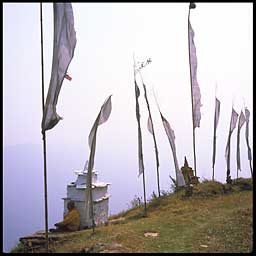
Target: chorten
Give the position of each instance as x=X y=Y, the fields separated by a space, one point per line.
x=188 y=174
x=76 y=192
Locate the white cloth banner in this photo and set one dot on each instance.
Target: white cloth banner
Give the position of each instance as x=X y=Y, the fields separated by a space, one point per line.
x=140 y=154
x=103 y=117
x=150 y=125
x=216 y=120
x=233 y=121
x=241 y=122
x=170 y=134
x=63 y=52
x=195 y=86
x=234 y=117
x=247 y=117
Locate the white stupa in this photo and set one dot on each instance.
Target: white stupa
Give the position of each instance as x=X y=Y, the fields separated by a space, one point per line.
x=76 y=192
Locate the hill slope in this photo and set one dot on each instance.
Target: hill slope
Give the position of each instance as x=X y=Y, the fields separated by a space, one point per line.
x=216 y=218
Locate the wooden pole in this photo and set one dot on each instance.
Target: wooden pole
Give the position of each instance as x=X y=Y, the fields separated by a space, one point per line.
x=251 y=167
x=238 y=142
x=44 y=136
x=139 y=131
x=145 y=200
x=250 y=161
x=154 y=137
x=228 y=179
x=90 y=169
x=214 y=137
x=194 y=146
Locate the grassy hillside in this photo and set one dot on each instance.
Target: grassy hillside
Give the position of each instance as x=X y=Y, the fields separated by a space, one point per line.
x=216 y=218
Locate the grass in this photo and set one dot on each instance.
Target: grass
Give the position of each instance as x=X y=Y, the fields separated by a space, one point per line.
x=215 y=219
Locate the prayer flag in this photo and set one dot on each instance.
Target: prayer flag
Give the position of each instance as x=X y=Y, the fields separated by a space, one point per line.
x=247 y=117
x=216 y=120
x=101 y=118
x=150 y=126
x=63 y=52
x=137 y=95
x=151 y=130
x=140 y=155
x=171 y=137
x=241 y=122
x=233 y=121
x=196 y=95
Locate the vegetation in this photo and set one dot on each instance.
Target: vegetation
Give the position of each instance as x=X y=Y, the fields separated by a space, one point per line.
x=215 y=218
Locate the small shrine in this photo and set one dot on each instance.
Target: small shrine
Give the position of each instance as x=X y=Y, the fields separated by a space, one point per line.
x=188 y=174
x=76 y=192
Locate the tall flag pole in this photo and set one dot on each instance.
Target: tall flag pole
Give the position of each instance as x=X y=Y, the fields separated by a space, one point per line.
x=101 y=118
x=140 y=154
x=63 y=51
x=180 y=182
x=247 y=116
x=216 y=120
x=233 y=121
x=195 y=90
x=150 y=123
x=44 y=137
x=241 y=122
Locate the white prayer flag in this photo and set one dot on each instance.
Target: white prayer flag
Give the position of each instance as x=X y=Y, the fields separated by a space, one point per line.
x=216 y=120
x=233 y=121
x=150 y=125
x=140 y=155
x=196 y=95
x=101 y=118
x=217 y=112
x=151 y=130
x=241 y=122
x=63 y=52
x=171 y=137
x=234 y=117
x=247 y=117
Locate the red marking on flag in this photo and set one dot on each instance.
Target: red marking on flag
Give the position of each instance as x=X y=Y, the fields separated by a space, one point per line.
x=68 y=77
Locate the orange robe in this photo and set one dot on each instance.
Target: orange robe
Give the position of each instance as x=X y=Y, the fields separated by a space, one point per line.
x=71 y=220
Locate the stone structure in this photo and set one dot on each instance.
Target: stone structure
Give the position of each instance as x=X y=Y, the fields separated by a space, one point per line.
x=76 y=192
x=188 y=174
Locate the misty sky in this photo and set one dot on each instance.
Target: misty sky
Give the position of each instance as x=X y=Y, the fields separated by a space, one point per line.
x=107 y=36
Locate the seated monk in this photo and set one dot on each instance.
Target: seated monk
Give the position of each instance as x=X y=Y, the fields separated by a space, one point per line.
x=71 y=220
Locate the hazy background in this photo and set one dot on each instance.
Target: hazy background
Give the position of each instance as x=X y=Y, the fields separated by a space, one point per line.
x=107 y=36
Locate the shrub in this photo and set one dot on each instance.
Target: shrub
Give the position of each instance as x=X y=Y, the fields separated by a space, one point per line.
x=136 y=201
x=242 y=184
x=153 y=196
x=165 y=193
x=208 y=188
